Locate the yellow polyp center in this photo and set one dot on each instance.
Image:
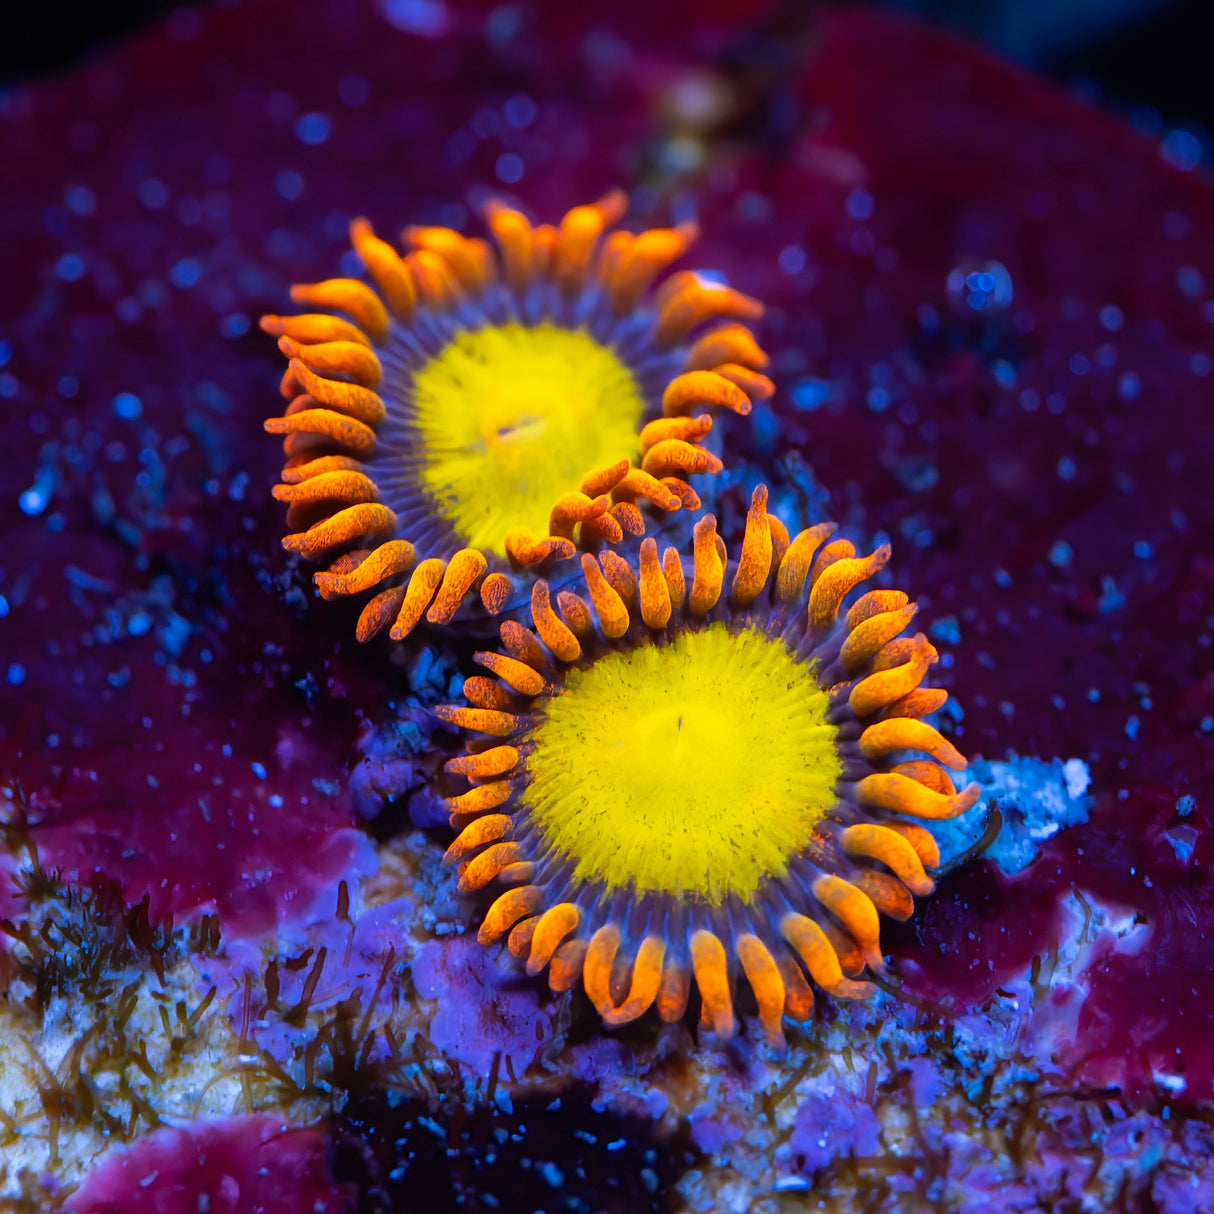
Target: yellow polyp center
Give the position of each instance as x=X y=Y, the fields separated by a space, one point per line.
x=698 y=768
x=512 y=418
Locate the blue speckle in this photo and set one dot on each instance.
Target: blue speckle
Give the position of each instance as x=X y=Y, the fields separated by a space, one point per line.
x=1079 y=363
x=6 y=352
x=153 y=193
x=235 y=324
x=1003 y=578
x=1061 y=554
x=313 y=128
x=80 y=200
x=1131 y=727
x=127 y=406
x=429 y=18
x=139 y=624
x=810 y=394
x=70 y=267
x=1181 y=149
x=258 y=770
x=16 y=675
x=792 y=259
x=4 y=608
x=509 y=168
x=1143 y=550
x=1111 y=317
x=1129 y=386
x=1200 y=364
x=289 y=184
x=946 y=630
x=1066 y=468
x=275 y=801
x=859 y=205
x=185 y=273
x=1110 y=597
x=520 y=111
x=878 y=399
x=1190 y=282
x=1185 y=805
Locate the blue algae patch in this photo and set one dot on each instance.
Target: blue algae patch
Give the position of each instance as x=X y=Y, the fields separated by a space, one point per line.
x=1036 y=799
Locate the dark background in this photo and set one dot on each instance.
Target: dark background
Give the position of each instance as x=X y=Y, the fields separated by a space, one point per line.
x=1132 y=52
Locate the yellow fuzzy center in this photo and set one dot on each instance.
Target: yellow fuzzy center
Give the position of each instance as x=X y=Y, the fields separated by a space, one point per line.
x=512 y=418
x=698 y=768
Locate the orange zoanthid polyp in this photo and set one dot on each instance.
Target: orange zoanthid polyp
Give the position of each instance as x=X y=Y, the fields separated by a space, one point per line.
x=484 y=409
x=709 y=764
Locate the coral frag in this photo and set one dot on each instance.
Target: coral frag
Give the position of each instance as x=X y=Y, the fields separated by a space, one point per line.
x=965 y=367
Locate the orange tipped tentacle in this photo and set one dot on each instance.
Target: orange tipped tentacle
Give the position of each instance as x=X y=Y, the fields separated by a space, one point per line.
x=673 y=455
x=904 y=733
x=552 y=630
x=766 y=981
x=379 y=612
x=904 y=795
x=524 y=549
x=353 y=400
x=462 y=573
x=340 y=488
x=496 y=761
x=423 y=583
x=869 y=637
x=855 y=911
x=486 y=693
x=479 y=799
x=686 y=429
x=754 y=563
x=638 y=484
x=644 y=985
x=693 y=388
x=755 y=385
x=460 y=254
x=495 y=592
x=730 y=344
x=712 y=977
x=312 y=328
x=798 y=995
x=709 y=568
x=388 y=560
x=603 y=480
x=693 y=302
x=886 y=893
x=325 y=424
x=482 y=868
x=565 y=968
x=296 y=471
x=921 y=839
x=387 y=270
x=836 y=581
x=512 y=906
x=921 y=702
x=519 y=940
x=642 y=260
x=874 y=603
x=797 y=560
x=886 y=685
x=608 y=606
x=575 y=611
x=515 y=239
x=492 y=828
x=576 y=238
x=892 y=849
x=656 y=605
x=596 y=968
x=345 y=529
x=347 y=295
x=522 y=678
x=672 y=571
x=521 y=643
x=437 y=285
x=481 y=720
x=573 y=508
x=674 y=990
x=553 y=926
x=620 y=575
x=815 y=949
